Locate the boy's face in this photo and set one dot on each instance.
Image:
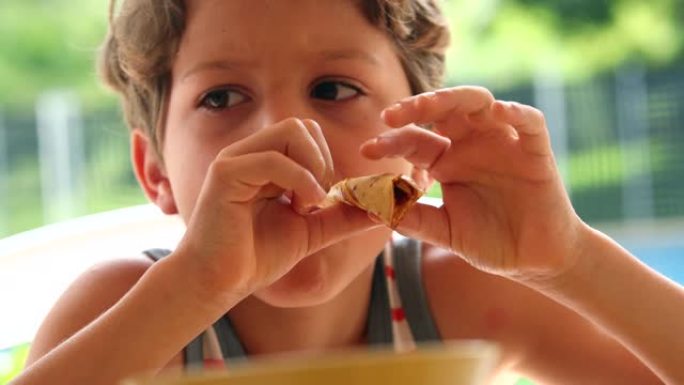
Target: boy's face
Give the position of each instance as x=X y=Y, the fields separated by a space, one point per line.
x=246 y=64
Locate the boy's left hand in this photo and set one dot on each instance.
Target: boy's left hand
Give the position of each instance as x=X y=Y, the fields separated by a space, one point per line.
x=505 y=208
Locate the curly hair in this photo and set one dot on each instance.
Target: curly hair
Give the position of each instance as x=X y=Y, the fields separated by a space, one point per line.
x=144 y=35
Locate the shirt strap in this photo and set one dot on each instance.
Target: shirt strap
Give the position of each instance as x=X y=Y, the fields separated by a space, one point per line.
x=408 y=265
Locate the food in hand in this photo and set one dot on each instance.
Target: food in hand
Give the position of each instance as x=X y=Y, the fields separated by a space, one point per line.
x=385 y=197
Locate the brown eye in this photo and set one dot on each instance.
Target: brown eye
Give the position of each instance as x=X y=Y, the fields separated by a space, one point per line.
x=334 y=91
x=221 y=99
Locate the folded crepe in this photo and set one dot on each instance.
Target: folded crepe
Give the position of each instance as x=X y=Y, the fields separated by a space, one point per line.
x=386 y=197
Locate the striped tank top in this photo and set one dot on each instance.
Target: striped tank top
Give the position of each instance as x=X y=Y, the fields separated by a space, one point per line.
x=398 y=313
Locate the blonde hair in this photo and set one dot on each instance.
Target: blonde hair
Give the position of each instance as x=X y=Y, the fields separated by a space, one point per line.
x=138 y=52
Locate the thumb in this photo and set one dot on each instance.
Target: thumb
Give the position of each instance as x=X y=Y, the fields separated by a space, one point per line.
x=427 y=223
x=333 y=224
x=422 y=178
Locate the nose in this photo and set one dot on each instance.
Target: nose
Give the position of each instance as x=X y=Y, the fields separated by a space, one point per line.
x=283 y=104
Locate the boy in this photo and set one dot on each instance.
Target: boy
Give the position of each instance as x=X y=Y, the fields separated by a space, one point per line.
x=244 y=112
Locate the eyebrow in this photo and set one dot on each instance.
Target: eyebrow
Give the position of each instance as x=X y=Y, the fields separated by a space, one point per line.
x=351 y=54
x=212 y=65
x=337 y=55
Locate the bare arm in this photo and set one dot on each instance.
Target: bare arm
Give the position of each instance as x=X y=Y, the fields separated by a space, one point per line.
x=141 y=332
x=230 y=249
x=626 y=299
x=507 y=213
x=92 y=294
x=539 y=338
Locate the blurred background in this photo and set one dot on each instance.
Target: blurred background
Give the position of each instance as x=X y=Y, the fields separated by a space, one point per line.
x=608 y=74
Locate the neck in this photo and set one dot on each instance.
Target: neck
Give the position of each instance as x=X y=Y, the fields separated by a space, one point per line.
x=338 y=323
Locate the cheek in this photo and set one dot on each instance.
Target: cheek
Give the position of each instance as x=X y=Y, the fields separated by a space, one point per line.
x=187 y=161
x=187 y=177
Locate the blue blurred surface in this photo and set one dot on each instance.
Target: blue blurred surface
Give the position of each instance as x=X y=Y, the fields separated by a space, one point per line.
x=667 y=259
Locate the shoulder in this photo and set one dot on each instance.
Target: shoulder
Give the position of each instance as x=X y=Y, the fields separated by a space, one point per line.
x=467 y=303
x=90 y=295
x=470 y=303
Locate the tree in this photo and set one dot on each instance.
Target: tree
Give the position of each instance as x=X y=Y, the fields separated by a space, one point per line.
x=510 y=41
x=49 y=45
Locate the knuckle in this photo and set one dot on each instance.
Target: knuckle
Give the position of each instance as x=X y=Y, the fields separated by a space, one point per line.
x=297 y=127
x=288 y=128
x=214 y=170
x=311 y=153
x=312 y=125
x=538 y=115
x=534 y=114
x=271 y=159
x=477 y=90
x=303 y=177
x=299 y=134
x=225 y=152
x=290 y=122
x=424 y=100
x=221 y=170
x=218 y=166
x=302 y=147
x=484 y=92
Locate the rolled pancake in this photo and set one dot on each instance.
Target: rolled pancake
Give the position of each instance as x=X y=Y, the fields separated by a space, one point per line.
x=386 y=197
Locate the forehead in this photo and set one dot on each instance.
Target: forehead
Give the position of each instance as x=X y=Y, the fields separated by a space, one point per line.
x=262 y=30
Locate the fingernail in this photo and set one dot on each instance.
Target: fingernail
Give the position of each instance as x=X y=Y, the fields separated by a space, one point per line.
x=371 y=142
x=430 y=95
x=391 y=109
x=378 y=141
x=384 y=139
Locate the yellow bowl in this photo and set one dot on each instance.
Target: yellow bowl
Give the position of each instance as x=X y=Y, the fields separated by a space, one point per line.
x=460 y=363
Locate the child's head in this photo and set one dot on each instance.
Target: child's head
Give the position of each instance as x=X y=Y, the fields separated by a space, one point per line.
x=203 y=77
x=144 y=35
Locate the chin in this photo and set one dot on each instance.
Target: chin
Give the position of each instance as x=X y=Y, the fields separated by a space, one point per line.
x=309 y=283
x=323 y=276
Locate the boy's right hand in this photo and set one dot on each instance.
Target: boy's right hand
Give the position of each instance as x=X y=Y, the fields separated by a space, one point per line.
x=245 y=232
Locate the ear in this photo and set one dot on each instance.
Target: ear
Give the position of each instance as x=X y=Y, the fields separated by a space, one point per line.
x=151 y=174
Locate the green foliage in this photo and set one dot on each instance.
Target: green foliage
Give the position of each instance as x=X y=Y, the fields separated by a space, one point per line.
x=498 y=43
x=47 y=45
x=619 y=162
x=54 y=44
x=507 y=42
x=574 y=14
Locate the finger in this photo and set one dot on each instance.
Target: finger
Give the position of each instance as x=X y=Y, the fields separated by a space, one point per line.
x=317 y=134
x=438 y=106
x=528 y=122
x=335 y=223
x=427 y=223
x=242 y=178
x=422 y=178
x=421 y=147
x=291 y=137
